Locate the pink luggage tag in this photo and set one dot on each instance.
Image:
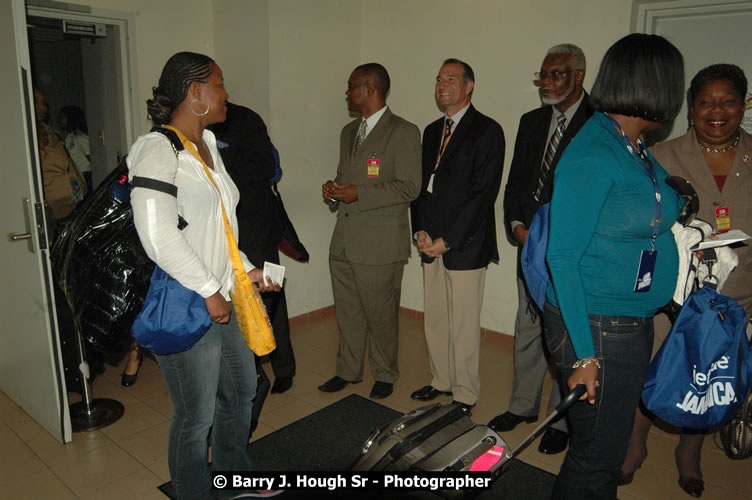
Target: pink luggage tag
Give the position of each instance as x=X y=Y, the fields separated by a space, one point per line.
x=486 y=461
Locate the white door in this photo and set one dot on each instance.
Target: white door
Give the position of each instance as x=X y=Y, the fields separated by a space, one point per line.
x=30 y=362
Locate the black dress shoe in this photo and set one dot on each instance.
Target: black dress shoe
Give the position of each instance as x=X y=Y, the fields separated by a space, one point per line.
x=381 y=390
x=335 y=384
x=427 y=393
x=692 y=486
x=508 y=421
x=468 y=408
x=281 y=384
x=553 y=441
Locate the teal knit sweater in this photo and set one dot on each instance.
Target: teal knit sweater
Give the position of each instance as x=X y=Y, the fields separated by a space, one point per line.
x=601 y=210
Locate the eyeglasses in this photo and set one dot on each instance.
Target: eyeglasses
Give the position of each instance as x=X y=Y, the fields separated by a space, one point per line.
x=554 y=75
x=351 y=86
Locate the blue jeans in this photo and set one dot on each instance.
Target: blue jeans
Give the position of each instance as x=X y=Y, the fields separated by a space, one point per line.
x=600 y=432
x=212 y=386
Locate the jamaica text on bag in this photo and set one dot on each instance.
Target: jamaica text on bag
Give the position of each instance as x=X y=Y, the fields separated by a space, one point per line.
x=709 y=389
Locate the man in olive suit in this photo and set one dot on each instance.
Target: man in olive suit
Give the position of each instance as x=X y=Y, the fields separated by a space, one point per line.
x=378 y=175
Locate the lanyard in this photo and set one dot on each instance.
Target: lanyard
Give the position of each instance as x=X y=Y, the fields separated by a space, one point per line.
x=444 y=142
x=643 y=161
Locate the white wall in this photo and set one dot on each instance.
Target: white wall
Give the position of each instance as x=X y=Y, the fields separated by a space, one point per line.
x=241 y=40
x=313 y=47
x=314 y=44
x=162 y=28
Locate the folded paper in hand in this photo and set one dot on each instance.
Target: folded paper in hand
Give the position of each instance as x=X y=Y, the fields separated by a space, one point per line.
x=727 y=238
x=274 y=272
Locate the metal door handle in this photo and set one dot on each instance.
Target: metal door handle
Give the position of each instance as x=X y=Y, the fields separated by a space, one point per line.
x=19 y=236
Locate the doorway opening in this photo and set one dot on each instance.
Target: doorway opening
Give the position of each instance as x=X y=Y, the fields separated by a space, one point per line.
x=77 y=64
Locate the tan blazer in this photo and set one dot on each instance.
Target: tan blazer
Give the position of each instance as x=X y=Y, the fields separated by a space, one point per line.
x=682 y=156
x=62 y=181
x=374 y=229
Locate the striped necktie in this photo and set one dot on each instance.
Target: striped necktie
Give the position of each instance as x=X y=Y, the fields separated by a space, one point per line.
x=361 y=136
x=548 y=158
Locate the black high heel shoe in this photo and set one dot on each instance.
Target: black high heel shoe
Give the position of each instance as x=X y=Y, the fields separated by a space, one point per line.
x=126 y=379
x=626 y=478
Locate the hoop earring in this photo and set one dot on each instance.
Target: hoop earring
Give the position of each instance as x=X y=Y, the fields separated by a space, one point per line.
x=199 y=114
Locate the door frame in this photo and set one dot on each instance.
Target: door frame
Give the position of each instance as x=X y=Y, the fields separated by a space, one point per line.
x=126 y=22
x=647 y=13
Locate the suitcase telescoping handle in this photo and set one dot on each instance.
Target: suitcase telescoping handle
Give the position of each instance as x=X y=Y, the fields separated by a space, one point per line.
x=565 y=404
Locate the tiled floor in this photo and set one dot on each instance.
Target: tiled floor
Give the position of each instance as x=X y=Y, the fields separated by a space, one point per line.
x=129 y=458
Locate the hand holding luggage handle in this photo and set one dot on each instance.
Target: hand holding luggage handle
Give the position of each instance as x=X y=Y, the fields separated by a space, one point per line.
x=563 y=406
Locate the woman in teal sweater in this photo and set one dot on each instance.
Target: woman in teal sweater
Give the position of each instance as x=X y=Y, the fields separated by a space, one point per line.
x=612 y=256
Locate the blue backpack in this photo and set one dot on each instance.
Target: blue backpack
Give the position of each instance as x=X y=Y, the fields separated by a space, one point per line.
x=533 y=260
x=700 y=376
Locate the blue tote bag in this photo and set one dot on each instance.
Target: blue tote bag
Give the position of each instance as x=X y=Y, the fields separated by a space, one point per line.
x=700 y=376
x=173 y=317
x=533 y=258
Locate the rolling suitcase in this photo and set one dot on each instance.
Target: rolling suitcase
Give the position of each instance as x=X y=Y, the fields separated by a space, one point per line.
x=443 y=438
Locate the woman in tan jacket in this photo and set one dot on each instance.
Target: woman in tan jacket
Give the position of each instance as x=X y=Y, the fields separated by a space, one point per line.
x=715 y=156
x=64 y=186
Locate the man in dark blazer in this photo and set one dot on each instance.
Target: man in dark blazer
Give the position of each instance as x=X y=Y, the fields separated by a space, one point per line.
x=530 y=184
x=248 y=155
x=455 y=228
x=377 y=177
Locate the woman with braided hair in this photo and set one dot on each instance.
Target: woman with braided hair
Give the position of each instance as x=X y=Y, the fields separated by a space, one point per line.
x=213 y=383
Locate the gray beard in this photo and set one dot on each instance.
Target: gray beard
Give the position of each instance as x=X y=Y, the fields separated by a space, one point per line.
x=553 y=101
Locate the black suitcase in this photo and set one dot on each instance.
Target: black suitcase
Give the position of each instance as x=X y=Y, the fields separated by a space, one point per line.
x=443 y=438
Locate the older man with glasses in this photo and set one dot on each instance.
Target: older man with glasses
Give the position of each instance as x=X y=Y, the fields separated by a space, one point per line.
x=542 y=136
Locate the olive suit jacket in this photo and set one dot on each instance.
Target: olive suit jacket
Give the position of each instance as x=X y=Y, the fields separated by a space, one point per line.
x=374 y=229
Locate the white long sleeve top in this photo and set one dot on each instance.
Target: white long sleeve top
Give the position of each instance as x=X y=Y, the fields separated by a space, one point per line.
x=77 y=145
x=197 y=256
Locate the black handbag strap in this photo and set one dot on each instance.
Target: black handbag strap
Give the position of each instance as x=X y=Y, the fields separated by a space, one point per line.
x=156 y=185
x=177 y=145
x=162 y=186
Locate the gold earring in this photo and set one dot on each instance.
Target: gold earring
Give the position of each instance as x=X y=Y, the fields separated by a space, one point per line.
x=199 y=114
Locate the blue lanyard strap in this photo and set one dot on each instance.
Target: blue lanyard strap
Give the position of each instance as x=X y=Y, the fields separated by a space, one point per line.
x=643 y=161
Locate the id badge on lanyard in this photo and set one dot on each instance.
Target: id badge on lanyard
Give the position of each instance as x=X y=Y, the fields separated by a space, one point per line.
x=645 y=271
x=646 y=265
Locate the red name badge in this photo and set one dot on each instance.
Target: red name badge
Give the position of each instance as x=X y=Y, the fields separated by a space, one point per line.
x=373 y=167
x=722 y=219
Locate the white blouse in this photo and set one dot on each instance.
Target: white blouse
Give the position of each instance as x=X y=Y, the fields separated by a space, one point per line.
x=77 y=145
x=197 y=256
